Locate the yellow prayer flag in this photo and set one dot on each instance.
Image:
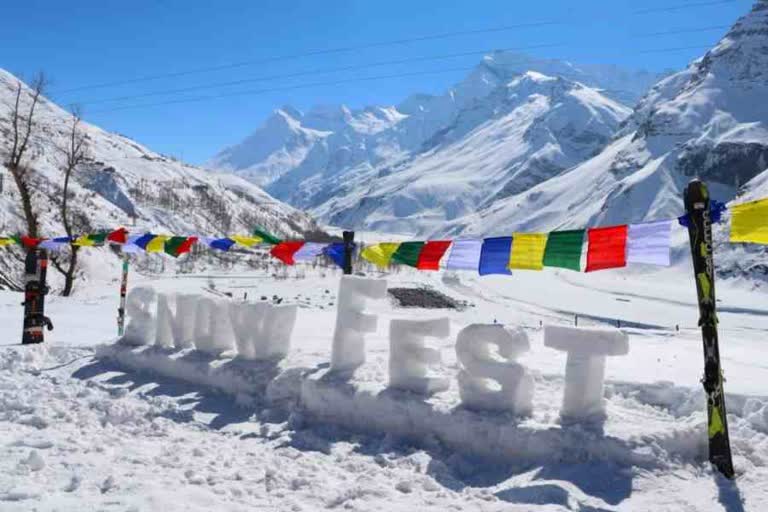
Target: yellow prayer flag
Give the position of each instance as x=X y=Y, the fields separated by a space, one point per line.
x=6 y=241
x=528 y=251
x=157 y=244
x=380 y=254
x=83 y=241
x=749 y=222
x=246 y=241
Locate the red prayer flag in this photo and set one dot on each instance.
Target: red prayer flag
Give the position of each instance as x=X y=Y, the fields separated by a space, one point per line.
x=30 y=243
x=607 y=248
x=284 y=251
x=431 y=253
x=118 y=236
x=186 y=245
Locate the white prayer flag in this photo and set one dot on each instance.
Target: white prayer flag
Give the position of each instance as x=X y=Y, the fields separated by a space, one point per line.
x=309 y=251
x=465 y=255
x=649 y=243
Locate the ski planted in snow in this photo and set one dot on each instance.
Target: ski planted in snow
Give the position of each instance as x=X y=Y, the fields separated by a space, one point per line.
x=123 y=292
x=35 y=289
x=697 y=205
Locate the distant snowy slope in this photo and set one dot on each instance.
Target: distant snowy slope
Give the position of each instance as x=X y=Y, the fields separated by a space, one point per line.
x=710 y=120
x=300 y=157
x=524 y=133
x=126 y=184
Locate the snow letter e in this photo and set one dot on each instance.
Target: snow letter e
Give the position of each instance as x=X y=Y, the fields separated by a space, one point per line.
x=479 y=365
x=585 y=368
x=408 y=357
x=139 y=306
x=352 y=323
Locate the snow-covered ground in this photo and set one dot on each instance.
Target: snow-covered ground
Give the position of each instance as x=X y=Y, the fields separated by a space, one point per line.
x=79 y=431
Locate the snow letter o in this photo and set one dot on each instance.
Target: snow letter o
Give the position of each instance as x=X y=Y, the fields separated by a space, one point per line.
x=408 y=357
x=352 y=323
x=473 y=350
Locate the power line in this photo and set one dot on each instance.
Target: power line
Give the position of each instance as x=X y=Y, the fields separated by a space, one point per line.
x=316 y=72
x=683 y=31
x=681 y=7
x=314 y=53
x=277 y=89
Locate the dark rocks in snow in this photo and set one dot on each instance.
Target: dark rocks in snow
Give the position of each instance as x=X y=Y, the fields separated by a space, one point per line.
x=422 y=298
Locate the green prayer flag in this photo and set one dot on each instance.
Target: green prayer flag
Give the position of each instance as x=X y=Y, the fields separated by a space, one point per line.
x=173 y=244
x=408 y=253
x=98 y=238
x=267 y=237
x=564 y=249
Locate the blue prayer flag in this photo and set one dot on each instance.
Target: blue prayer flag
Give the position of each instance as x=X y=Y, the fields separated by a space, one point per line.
x=494 y=256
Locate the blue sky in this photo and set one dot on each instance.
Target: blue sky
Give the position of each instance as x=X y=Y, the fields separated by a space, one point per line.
x=83 y=43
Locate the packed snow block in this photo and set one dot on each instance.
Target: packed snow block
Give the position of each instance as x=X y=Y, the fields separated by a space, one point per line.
x=475 y=346
x=262 y=331
x=409 y=358
x=184 y=320
x=352 y=322
x=140 y=308
x=243 y=379
x=585 y=367
x=213 y=328
x=165 y=323
x=274 y=341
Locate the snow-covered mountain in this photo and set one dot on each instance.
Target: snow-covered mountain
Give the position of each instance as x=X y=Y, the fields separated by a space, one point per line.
x=333 y=160
x=710 y=120
x=126 y=184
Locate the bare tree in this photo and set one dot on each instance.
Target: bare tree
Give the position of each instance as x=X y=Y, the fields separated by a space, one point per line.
x=23 y=126
x=75 y=154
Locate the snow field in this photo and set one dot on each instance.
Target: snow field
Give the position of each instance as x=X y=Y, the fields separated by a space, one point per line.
x=144 y=428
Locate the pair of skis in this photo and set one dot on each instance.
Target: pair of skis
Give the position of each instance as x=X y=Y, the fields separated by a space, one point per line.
x=697 y=205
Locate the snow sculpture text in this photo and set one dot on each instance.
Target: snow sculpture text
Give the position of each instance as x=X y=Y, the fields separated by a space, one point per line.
x=474 y=346
x=408 y=357
x=352 y=323
x=138 y=306
x=585 y=368
x=255 y=331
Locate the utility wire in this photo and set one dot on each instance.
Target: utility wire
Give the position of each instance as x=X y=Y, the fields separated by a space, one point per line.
x=683 y=31
x=277 y=89
x=379 y=44
x=681 y=7
x=314 y=53
x=355 y=67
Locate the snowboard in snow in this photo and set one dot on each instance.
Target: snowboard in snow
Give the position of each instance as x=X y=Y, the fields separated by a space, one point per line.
x=35 y=289
x=697 y=205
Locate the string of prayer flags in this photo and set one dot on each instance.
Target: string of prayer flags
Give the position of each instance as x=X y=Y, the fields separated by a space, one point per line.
x=494 y=256
x=607 y=248
x=564 y=249
x=749 y=222
x=266 y=237
x=431 y=254
x=380 y=254
x=285 y=251
x=465 y=255
x=528 y=251
x=92 y=240
x=650 y=243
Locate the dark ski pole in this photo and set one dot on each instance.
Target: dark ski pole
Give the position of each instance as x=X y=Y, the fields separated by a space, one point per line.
x=697 y=206
x=349 y=248
x=123 y=292
x=35 y=289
